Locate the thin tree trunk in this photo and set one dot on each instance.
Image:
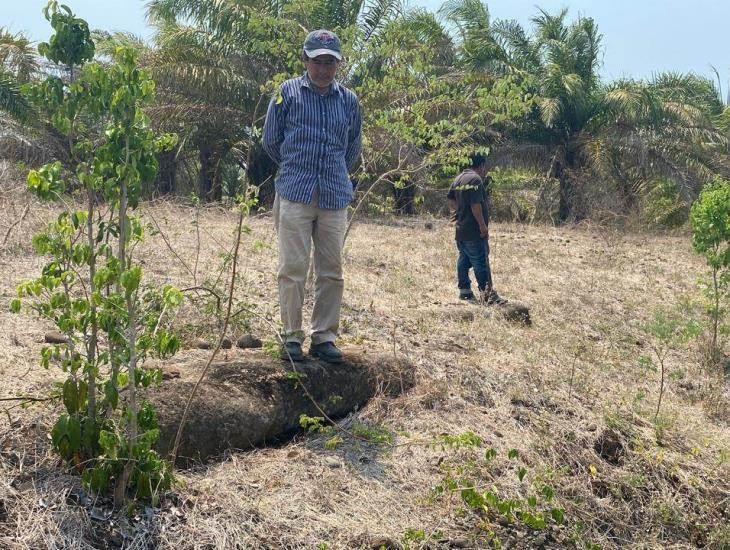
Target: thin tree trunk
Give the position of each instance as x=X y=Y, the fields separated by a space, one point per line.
x=91 y=349
x=205 y=177
x=121 y=488
x=565 y=209
x=715 y=313
x=661 y=387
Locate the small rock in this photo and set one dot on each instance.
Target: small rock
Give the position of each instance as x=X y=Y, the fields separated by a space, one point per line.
x=226 y=343
x=201 y=343
x=170 y=373
x=428 y=225
x=248 y=341
x=55 y=337
x=592 y=428
x=332 y=462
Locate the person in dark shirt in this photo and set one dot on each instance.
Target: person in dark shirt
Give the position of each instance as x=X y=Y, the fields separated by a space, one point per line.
x=468 y=201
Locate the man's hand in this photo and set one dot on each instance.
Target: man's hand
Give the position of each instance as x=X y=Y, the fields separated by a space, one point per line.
x=452 y=210
x=476 y=210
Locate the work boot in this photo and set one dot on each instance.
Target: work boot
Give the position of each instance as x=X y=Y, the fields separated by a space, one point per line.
x=490 y=297
x=326 y=351
x=294 y=350
x=466 y=295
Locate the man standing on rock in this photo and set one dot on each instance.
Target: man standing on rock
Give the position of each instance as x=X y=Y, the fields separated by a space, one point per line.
x=312 y=131
x=468 y=201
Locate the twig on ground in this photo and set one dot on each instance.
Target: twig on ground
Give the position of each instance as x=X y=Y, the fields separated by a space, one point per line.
x=15 y=223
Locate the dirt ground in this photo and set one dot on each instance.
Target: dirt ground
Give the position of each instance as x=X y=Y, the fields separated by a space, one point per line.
x=568 y=393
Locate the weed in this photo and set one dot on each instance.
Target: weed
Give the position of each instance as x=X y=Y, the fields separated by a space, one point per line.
x=374 y=434
x=333 y=442
x=468 y=478
x=314 y=424
x=666 y=330
x=272 y=348
x=413 y=536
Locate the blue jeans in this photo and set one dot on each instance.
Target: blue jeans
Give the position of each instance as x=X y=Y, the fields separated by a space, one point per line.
x=473 y=254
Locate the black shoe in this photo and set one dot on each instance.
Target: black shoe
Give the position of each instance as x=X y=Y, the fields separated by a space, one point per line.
x=491 y=298
x=469 y=296
x=293 y=350
x=326 y=351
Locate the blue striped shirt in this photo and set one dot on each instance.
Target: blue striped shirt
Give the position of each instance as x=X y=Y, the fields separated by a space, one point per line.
x=315 y=139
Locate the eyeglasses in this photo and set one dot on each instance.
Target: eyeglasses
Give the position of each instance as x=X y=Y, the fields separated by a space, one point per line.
x=324 y=62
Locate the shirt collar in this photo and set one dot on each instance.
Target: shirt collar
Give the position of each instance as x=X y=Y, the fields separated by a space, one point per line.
x=307 y=83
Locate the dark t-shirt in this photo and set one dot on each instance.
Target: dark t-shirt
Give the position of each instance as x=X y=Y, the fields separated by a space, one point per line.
x=467 y=189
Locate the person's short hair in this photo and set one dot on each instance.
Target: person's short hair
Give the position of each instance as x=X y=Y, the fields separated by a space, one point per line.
x=478 y=160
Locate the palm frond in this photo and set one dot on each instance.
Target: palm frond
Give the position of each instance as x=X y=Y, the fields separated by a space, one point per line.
x=550 y=27
x=12 y=100
x=376 y=14
x=18 y=56
x=550 y=110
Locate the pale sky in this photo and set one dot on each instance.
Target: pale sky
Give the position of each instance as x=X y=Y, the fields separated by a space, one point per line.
x=640 y=37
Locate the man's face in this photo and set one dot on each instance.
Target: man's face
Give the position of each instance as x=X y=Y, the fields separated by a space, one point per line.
x=321 y=69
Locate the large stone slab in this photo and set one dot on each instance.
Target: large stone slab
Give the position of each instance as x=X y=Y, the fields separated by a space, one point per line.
x=252 y=399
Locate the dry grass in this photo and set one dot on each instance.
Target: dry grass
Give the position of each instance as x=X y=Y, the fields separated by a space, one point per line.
x=590 y=291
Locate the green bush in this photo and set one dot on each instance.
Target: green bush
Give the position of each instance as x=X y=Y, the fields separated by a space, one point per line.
x=710 y=217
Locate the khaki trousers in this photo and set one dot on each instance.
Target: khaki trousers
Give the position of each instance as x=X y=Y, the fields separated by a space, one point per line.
x=298 y=226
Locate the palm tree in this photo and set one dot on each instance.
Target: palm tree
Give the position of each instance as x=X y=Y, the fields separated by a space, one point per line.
x=634 y=128
x=18 y=65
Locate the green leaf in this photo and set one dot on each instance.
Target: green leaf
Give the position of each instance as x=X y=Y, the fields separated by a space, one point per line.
x=172 y=296
x=111 y=394
x=97 y=478
x=558 y=515
x=536 y=520
x=472 y=498
x=521 y=472
x=513 y=454
x=15 y=305
x=71 y=396
x=130 y=279
x=74 y=434
x=110 y=444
